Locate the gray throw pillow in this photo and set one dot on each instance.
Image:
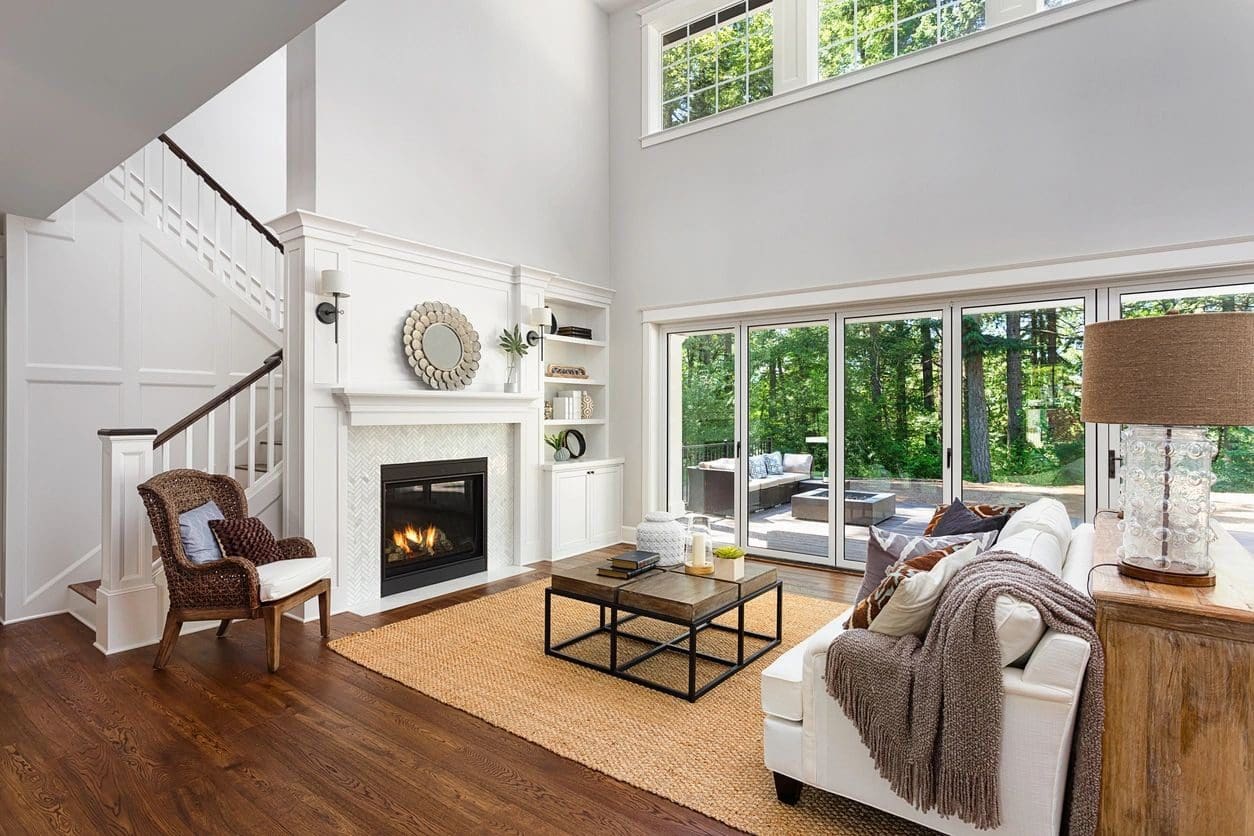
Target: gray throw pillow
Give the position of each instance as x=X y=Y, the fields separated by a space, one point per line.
x=877 y=562
x=959 y=519
x=199 y=544
x=774 y=464
x=757 y=467
x=886 y=548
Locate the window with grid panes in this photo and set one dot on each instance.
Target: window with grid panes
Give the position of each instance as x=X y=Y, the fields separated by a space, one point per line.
x=860 y=33
x=717 y=62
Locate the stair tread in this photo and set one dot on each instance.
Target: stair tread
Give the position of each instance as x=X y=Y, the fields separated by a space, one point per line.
x=87 y=589
x=260 y=468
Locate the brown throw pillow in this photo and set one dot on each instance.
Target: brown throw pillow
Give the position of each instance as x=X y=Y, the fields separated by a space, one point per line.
x=248 y=538
x=864 y=611
x=959 y=519
x=977 y=508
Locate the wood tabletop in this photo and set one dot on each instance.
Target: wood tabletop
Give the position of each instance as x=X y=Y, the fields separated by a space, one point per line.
x=1230 y=599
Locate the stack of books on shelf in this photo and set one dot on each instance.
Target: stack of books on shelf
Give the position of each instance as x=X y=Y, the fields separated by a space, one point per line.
x=629 y=565
x=575 y=331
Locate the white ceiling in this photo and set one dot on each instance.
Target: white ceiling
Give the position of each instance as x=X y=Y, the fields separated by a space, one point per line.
x=84 y=84
x=612 y=6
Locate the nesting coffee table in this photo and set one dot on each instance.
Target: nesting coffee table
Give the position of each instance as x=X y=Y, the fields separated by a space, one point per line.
x=668 y=595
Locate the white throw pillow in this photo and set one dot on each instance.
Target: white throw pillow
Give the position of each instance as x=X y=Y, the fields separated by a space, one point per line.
x=910 y=608
x=1046 y=514
x=1034 y=544
x=1018 y=627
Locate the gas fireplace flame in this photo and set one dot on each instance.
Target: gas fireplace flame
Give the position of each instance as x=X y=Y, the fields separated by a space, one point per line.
x=413 y=540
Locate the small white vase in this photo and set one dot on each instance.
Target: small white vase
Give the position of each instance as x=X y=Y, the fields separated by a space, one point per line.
x=662 y=533
x=513 y=382
x=727 y=569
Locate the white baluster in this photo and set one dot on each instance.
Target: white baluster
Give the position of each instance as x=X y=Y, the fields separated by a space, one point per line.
x=278 y=288
x=252 y=434
x=189 y=447
x=209 y=444
x=166 y=454
x=270 y=424
x=230 y=438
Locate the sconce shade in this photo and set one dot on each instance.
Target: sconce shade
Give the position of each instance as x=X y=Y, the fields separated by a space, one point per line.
x=1175 y=370
x=335 y=282
x=541 y=317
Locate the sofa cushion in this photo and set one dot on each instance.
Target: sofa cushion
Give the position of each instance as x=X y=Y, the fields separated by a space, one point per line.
x=774 y=463
x=801 y=463
x=781 y=684
x=910 y=608
x=867 y=608
x=1034 y=544
x=757 y=467
x=718 y=464
x=1018 y=626
x=199 y=544
x=1079 y=559
x=877 y=562
x=283 y=577
x=906 y=546
x=980 y=509
x=959 y=519
x=1045 y=514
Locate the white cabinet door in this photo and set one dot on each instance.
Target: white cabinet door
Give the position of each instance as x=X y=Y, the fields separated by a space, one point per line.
x=570 y=512
x=605 y=503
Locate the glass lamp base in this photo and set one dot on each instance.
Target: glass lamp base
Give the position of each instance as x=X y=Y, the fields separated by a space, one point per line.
x=1166 y=503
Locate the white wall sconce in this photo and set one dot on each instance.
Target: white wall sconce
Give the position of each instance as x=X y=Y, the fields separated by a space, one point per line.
x=539 y=318
x=335 y=284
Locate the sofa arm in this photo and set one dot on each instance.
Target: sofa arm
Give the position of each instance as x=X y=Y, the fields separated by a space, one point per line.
x=1058 y=661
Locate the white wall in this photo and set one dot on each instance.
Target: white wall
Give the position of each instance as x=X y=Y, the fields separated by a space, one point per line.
x=240 y=137
x=1115 y=131
x=478 y=126
x=110 y=322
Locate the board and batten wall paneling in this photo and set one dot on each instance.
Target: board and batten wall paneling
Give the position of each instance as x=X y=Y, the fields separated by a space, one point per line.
x=108 y=323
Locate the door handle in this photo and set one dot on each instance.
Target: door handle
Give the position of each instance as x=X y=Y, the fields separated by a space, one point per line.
x=949 y=457
x=1111 y=458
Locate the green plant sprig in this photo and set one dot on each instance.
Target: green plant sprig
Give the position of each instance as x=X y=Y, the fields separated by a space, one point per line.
x=557 y=441
x=512 y=342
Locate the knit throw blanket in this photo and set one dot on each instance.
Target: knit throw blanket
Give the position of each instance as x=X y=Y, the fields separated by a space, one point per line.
x=930 y=710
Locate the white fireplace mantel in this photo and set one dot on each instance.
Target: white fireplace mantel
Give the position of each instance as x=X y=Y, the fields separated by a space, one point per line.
x=373 y=407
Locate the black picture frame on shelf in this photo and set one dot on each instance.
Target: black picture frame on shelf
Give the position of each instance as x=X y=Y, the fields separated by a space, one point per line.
x=583 y=444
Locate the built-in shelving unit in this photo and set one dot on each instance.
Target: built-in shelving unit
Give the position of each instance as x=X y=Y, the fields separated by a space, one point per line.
x=584 y=306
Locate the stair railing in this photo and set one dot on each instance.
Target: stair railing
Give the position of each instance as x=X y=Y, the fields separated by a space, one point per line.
x=128 y=601
x=164 y=184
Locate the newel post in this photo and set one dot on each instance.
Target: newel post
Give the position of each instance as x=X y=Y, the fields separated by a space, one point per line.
x=128 y=602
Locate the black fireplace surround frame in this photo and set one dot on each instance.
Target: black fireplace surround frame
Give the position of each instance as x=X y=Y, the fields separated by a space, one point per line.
x=439 y=571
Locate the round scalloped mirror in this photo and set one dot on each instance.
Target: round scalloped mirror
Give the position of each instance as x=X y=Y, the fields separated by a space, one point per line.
x=441 y=346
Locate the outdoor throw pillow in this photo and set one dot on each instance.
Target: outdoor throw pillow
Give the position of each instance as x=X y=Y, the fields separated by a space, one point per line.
x=774 y=464
x=869 y=606
x=757 y=467
x=977 y=508
x=198 y=542
x=248 y=538
x=959 y=519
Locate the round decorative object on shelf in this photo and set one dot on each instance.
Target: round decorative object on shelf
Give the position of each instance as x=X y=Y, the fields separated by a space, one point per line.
x=580 y=445
x=441 y=346
x=561 y=454
x=662 y=533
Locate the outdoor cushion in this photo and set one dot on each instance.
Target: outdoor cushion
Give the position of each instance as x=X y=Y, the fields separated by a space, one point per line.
x=798 y=463
x=199 y=544
x=774 y=464
x=719 y=464
x=757 y=467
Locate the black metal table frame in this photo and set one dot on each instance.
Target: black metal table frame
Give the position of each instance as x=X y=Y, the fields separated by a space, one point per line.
x=706 y=622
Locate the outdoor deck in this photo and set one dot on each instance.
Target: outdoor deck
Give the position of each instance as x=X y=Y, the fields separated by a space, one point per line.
x=777 y=529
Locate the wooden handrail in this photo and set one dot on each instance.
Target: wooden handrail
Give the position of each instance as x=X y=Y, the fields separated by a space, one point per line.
x=270 y=364
x=213 y=184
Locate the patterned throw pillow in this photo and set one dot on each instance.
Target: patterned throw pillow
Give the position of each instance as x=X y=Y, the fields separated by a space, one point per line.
x=906 y=546
x=959 y=519
x=247 y=538
x=757 y=467
x=979 y=509
x=774 y=464
x=864 y=611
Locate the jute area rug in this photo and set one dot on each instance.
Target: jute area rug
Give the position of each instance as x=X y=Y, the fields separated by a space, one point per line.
x=486 y=657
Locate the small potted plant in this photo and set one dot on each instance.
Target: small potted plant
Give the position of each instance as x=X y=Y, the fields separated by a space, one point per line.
x=515 y=348
x=729 y=563
x=558 y=442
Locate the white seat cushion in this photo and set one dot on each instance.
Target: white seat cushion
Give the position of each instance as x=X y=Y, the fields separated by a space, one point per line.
x=283 y=577
x=781 y=685
x=1034 y=544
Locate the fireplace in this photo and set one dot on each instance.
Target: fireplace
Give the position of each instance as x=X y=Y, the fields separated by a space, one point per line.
x=434 y=522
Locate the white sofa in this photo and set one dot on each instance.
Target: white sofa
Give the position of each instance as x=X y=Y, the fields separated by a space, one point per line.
x=809 y=740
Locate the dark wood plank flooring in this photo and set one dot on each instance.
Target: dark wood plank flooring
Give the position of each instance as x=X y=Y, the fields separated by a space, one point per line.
x=214 y=744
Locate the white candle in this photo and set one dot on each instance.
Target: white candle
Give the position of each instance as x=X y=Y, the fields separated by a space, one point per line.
x=698 y=550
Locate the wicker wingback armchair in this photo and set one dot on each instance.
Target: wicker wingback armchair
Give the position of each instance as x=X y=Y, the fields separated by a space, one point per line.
x=224 y=589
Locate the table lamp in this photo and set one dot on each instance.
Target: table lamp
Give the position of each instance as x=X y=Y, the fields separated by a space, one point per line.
x=1169 y=378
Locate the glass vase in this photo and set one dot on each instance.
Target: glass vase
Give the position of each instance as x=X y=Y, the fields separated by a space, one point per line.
x=1167 y=479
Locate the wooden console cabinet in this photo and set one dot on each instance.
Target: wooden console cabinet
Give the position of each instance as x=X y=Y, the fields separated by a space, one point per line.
x=1178 y=750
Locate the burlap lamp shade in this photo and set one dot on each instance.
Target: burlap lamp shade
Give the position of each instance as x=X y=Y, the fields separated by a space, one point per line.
x=1181 y=370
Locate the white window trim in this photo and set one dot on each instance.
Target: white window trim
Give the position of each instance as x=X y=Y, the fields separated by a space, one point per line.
x=796 y=54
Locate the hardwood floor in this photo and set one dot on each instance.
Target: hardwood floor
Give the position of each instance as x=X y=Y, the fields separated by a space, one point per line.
x=215 y=744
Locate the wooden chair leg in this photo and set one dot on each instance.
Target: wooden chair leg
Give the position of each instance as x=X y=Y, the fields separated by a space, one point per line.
x=324 y=611
x=222 y=627
x=272 y=618
x=169 y=636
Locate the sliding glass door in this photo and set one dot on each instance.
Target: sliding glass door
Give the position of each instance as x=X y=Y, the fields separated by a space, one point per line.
x=1019 y=410
x=785 y=481
x=703 y=429
x=892 y=427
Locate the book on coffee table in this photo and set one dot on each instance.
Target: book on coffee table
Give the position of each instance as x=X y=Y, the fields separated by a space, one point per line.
x=622 y=574
x=634 y=560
